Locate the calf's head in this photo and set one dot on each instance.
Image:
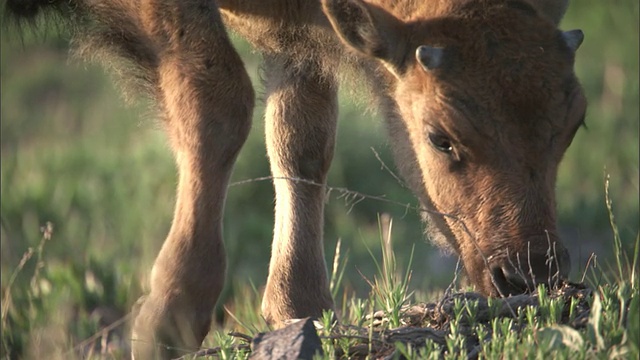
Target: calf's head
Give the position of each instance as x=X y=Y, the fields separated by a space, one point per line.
x=484 y=103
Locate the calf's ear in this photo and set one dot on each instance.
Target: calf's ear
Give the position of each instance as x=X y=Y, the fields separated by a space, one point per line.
x=369 y=30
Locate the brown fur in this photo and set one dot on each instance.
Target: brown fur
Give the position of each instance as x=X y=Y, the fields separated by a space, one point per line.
x=504 y=99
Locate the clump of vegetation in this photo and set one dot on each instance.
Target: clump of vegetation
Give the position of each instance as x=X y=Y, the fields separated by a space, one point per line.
x=587 y=320
x=592 y=319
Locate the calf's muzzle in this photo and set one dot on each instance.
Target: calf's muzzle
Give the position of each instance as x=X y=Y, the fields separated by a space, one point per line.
x=523 y=271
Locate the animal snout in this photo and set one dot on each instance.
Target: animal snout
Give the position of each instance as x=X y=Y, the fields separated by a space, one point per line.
x=523 y=273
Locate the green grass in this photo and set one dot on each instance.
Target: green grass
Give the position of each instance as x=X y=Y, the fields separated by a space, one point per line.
x=594 y=322
x=102 y=174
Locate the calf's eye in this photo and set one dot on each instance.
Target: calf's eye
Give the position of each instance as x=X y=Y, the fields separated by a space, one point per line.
x=441 y=143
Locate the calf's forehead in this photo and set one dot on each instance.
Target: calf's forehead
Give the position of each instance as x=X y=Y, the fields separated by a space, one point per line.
x=501 y=46
x=527 y=80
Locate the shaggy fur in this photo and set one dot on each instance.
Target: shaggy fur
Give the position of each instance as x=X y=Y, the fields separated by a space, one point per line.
x=478 y=132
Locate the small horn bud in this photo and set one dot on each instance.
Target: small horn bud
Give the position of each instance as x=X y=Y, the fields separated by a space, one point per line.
x=573 y=39
x=429 y=57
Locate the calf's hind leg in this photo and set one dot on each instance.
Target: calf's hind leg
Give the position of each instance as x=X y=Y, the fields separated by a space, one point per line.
x=300 y=130
x=208 y=100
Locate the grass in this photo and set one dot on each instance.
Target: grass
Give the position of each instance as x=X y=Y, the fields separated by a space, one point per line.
x=590 y=321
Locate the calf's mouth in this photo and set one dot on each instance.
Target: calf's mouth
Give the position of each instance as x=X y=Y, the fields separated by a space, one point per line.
x=522 y=272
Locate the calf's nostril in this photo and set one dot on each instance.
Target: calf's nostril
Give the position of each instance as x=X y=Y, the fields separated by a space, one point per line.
x=565 y=263
x=508 y=282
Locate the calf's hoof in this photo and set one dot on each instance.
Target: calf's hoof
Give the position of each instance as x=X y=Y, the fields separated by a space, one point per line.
x=162 y=330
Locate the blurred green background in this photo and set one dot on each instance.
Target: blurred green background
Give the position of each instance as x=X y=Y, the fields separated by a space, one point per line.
x=101 y=172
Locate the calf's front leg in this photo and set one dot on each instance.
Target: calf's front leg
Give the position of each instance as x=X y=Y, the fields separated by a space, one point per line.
x=300 y=126
x=207 y=100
